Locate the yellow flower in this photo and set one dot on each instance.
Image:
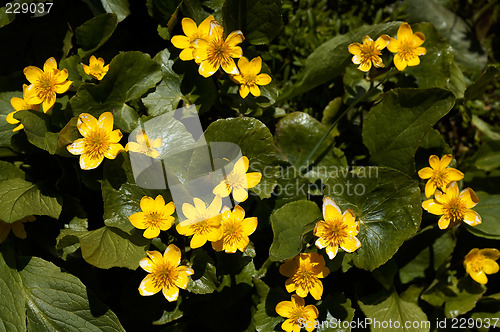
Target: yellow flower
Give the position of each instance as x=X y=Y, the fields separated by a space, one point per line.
x=453 y=207
x=249 y=76
x=238 y=180
x=20 y=104
x=96 y=68
x=165 y=273
x=17 y=228
x=407 y=46
x=202 y=222
x=336 y=230
x=216 y=52
x=155 y=216
x=99 y=140
x=369 y=52
x=144 y=145
x=192 y=32
x=45 y=84
x=235 y=230
x=303 y=272
x=479 y=263
x=439 y=174
x=298 y=315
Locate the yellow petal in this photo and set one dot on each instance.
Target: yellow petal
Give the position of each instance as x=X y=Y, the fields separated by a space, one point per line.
x=254 y=89
x=491 y=253
x=289 y=325
x=189 y=211
x=425 y=173
x=230 y=67
x=244 y=90
x=172 y=255
x=479 y=277
x=253 y=179
x=87 y=162
x=182 y=278
x=255 y=65
x=146 y=264
x=186 y=54
x=216 y=30
x=420 y=51
x=435 y=162
x=61 y=76
x=415 y=61
x=113 y=150
x=184 y=229
x=21 y=126
x=189 y=27
x=181 y=42
x=393 y=45
x=171 y=293
x=263 y=79
x=115 y=136
x=382 y=41
x=148 y=287
x=351 y=244
x=249 y=225
x=472 y=218
x=159 y=203
x=207 y=68
x=151 y=232
x=284 y=308
x=62 y=88
x=452 y=190
x=311 y=311
x=240 y=194
x=365 y=65
x=432 y=206
x=155 y=256
x=332 y=251
x=222 y=189
x=10 y=118
x=443 y=222
x=404 y=31
x=418 y=39
x=166 y=223
x=243 y=65
x=50 y=65
x=288 y=268
x=86 y=124
x=18 y=104
x=49 y=102
x=218 y=245
x=215 y=206
x=468 y=196
x=105 y=122
x=454 y=174
x=138 y=220
x=377 y=62
x=197 y=241
x=444 y=162
x=317 y=290
x=330 y=214
x=147 y=204
x=169 y=208
x=32 y=74
x=235 y=38
x=399 y=62
x=354 y=48
x=430 y=188
x=242 y=244
x=490 y=266
x=204 y=26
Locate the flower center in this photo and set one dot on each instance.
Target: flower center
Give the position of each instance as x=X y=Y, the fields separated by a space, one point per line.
x=45 y=86
x=369 y=51
x=336 y=231
x=153 y=218
x=407 y=50
x=298 y=313
x=455 y=209
x=440 y=178
x=304 y=278
x=218 y=52
x=477 y=263
x=232 y=232
x=164 y=275
x=97 y=143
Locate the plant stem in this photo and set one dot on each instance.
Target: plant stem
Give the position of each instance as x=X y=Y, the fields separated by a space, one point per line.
x=356 y=102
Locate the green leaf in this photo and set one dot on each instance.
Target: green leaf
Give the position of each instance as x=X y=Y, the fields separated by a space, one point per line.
x=260 y=20
x=487 y=156
x=437 y=67
x=118 y=7
x=485 y=128
x=427 y=250
x=466 y=48
x=6 y=18
x=489 y=210
x=292 y=186
x=339 y=313
x=20 y=198
x=130 y=75
x=40 y=295
x=12 y=307
x=167 y=94
x=36 y=126
x=390 y=307
x=6 y=108
x=72 y=65
x=94 y=33
x=296 y=135
x=289 y=224
x=204 y=280
x=487 y=310
x=387 y=204
x=330 y=59
x=10 y=171
x=458 y=296
x=109 y=247
x=477 y=89
x=416 y=110
x=256 y=143
x=265 y=317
